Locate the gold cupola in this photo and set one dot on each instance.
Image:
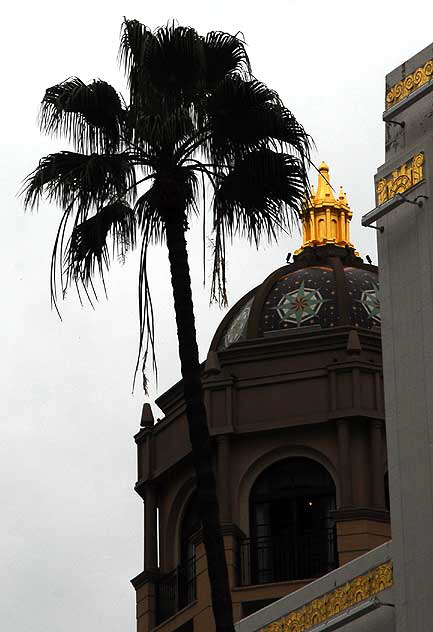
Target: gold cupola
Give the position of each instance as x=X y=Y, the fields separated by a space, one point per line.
x=325 y=219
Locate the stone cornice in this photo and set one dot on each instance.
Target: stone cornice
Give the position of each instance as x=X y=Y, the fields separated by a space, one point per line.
x=143 y=578
x=360 y=513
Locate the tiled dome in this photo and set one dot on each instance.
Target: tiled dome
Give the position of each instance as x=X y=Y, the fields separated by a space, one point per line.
x=317 y=296
x=328 y=285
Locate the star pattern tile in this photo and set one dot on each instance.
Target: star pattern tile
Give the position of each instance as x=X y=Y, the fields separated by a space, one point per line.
x=371 y=302
x=300 y=305
x=363 y=290
x=301 y=298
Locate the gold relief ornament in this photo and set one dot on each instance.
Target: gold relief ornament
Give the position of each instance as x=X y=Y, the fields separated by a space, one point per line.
x=404 y=88
x=336 y=601
x=400 y=180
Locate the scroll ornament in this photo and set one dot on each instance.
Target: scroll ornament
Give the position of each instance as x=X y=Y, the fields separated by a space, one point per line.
x=409 y=84
x=336 y=601
x=400 y=180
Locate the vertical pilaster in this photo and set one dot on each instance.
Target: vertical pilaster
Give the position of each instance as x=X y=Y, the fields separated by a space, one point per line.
x=313 y=228
x=360 y=462
x=347 y=226
x=223 y=478
x=343 y=226
x=328 y=223
x=377 y=473
x=345 y=472
x=150 y=529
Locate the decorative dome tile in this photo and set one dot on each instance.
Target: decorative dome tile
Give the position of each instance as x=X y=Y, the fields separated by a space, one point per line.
x=236 y=329
x=305 y=298
x=363 y=290
x=301 y=298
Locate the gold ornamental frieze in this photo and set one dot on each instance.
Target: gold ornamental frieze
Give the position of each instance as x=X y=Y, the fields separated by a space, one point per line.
x=400 y=180
x=409 y=84
x=336 y=601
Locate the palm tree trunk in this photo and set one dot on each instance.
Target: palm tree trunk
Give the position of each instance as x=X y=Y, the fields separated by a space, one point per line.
x=197 y=424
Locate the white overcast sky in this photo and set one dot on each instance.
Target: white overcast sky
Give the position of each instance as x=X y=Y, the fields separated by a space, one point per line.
x=71 y=534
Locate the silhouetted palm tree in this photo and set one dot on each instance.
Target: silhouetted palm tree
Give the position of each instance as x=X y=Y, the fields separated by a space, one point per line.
x=195 y=114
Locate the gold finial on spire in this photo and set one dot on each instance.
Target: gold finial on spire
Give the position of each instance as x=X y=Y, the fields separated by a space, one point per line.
x=324 y=189
x=326 y=219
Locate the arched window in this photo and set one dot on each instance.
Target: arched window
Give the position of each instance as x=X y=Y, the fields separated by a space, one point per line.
x=190 y=525
x=292 y=532
x=186 y=569
x=177 y=589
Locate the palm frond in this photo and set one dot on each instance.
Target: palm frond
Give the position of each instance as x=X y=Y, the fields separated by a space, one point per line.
x=148 y=215
x=88 y=247
x=176 y=63
x=164 y=68
x=247 y=115
x=83 y=180
x=90 y=116
x=133 y=51
x=133 y=40
x=225 y=54
x=262 y=195
x=156 y=132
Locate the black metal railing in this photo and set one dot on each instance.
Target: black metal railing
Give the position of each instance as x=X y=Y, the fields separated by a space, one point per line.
x=175 y=590
x=263 y=560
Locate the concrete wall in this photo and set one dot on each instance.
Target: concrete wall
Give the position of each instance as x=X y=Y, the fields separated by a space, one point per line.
x=406 y=276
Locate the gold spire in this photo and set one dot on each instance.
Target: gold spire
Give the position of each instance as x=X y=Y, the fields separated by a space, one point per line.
x=326 y=219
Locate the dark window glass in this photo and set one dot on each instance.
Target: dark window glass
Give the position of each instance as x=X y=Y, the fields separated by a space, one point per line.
x=292 y=531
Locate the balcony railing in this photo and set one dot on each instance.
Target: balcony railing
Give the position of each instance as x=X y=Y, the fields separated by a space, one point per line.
x=264 y=559
x=175 y=590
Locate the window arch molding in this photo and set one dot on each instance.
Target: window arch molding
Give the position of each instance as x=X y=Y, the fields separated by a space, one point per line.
x=257 y=467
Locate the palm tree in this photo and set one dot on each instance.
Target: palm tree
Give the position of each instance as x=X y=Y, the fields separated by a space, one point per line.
x=196 y=116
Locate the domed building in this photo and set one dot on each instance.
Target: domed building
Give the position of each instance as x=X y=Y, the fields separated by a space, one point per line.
x=294 y=397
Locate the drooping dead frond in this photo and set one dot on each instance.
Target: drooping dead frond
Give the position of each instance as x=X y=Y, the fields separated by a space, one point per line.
x=146 y=341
